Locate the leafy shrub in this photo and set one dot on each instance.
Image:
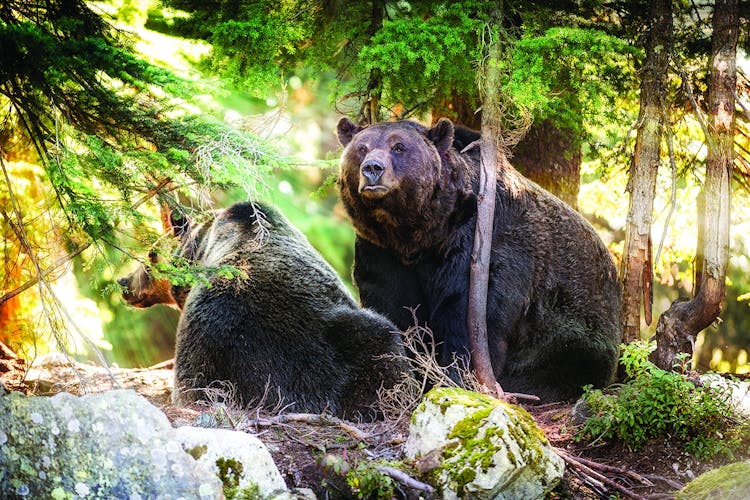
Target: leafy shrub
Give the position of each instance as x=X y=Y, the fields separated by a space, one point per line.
x=366 y=480
x=657 y=403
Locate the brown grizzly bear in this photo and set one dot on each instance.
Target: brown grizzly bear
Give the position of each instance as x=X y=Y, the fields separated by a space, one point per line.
x=553 y=305
x=288 y=331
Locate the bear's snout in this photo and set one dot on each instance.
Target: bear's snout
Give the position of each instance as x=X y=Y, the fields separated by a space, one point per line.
x=372 y=169
x=375 y=175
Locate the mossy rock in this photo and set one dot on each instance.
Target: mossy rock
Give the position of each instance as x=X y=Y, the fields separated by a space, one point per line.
x=730 y=482
x=489 y=449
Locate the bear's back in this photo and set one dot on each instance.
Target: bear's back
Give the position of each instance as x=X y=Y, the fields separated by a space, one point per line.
x=287 y=321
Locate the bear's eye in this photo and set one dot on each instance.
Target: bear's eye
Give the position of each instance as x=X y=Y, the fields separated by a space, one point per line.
x=398 y=148
x=362 y=149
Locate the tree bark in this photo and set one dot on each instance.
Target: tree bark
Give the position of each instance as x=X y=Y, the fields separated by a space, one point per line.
x=679 y=325
x=551 y=157
x=637 y=267
x=370 y=112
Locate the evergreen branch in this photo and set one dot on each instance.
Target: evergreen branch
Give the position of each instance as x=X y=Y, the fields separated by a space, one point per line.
x=43 y=273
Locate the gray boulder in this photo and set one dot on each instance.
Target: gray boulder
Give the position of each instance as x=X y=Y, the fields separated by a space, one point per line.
x=482 y=447
x=239 y=459
x=110 y=445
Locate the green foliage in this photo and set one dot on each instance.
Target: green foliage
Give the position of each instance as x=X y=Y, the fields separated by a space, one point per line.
x=657 y=403
x=367 y=481
x=417 y=56
x=364 y=478
x=110 y=132
x=251 y=41
x=182 y=272
x=571 y=75
x=424 y=57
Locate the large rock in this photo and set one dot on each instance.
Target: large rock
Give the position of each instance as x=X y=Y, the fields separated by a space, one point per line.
x=738 y=391
x=241 y=460
x=730 y=482
x=485 y=448
x=114 y=445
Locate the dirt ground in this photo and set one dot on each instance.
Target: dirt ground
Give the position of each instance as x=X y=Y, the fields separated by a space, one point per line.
x=299 y=443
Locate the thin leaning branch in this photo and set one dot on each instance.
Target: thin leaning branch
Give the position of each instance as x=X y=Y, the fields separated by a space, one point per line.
x=673 y=194
x=702 y=121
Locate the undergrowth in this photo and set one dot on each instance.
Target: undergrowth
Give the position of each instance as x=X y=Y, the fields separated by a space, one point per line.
x=654 y=403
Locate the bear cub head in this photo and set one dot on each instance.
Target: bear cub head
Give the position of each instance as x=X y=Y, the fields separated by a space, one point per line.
x=141 y=289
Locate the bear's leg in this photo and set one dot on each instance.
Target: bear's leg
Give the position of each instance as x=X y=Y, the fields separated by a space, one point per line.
x=387 y=286
x=564 y=355
x=369 y=355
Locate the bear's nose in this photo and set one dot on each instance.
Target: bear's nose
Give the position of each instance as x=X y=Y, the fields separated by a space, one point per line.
x=123 y=282
x=372 y=170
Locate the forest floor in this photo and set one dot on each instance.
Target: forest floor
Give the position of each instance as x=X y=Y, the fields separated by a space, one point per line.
x=299 y=442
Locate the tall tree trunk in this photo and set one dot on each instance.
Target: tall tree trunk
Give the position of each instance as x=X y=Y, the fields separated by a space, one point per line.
x=551 y=157
x=679 y=325
x=636 y=269
x=370 y=111
x=460 y=110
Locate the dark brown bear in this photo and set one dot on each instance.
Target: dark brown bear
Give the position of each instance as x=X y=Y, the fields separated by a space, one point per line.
x=288 y=331
x=553 y=306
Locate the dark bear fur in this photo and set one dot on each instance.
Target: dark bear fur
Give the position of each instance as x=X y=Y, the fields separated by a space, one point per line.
x=553 y=305
x=289 y=325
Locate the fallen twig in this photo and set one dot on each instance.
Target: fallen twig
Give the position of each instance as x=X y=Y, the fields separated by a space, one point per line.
x=596 y=486
x=311 y=418
x=164 y=365
x=675 y=485
x=405 y=479
x=513 y=397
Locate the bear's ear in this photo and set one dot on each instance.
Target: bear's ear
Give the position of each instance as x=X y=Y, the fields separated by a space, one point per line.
x=441 y=134
x=346 y=129
x=180 y=224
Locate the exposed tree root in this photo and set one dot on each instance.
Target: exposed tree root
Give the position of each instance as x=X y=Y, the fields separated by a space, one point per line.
x=598 y=481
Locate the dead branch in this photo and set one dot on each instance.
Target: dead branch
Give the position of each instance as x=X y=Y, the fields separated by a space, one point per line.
x=492 y=153
x=596 y=486
x=669 y=482
x=313 y=419
x=164 y=365
x=513 y=397
x=616 y=470
x=403 y=478
x=702 y=120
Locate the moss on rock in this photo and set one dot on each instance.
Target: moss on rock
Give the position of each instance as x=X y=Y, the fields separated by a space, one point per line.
x=489 y=448
x=730 y=482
